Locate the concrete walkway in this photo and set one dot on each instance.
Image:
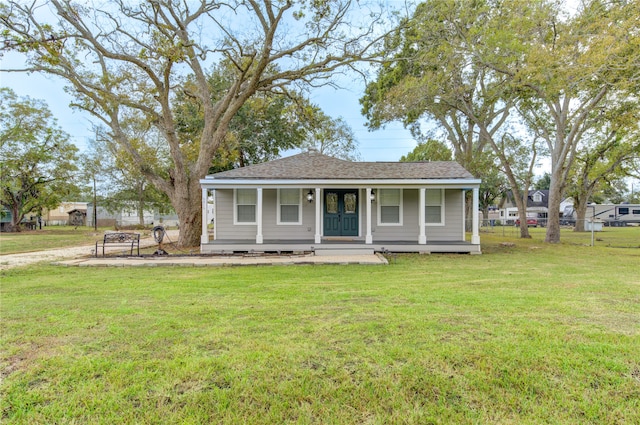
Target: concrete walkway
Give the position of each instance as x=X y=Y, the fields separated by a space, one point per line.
x=84 y=256
x=224 y=260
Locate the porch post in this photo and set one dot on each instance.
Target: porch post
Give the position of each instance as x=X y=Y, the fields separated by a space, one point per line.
x=204 y=238
x=475 y=235
x=422 y=237
x=318 y=237
x=259 y=217
x=369 y=237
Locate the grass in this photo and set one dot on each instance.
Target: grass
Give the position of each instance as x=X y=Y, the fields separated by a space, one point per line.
x=531 y=333
x=49 y=237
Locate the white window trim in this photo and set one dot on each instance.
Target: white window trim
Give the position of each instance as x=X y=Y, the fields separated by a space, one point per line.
x=442 y=202
x=290 y=223
x=235 y=210
x=379 y=208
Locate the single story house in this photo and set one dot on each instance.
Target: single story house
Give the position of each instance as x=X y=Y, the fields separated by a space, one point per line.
x=314 y=202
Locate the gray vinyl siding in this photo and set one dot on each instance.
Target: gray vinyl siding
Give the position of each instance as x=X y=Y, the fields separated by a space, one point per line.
x=452 y=229
x=409 y=231
x=272 y=230
x=226 y=230
x=224 y=219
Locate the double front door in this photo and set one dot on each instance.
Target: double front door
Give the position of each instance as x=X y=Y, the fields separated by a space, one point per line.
x=341 y=212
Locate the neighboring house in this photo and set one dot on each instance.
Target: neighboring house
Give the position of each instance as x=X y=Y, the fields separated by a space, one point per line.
x=313 y=202
x=129 y=217
x=537 y=206
x=60 y=216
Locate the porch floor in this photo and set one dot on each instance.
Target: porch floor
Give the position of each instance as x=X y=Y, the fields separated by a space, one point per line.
x=343 y=245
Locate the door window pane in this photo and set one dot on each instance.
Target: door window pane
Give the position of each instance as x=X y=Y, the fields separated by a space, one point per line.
x=349 y=203
x=332 y=203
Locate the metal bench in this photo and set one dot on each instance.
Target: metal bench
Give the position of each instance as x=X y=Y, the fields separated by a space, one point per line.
x=128 y=240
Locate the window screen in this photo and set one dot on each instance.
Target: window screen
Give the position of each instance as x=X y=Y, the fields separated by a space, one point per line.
x=389 y=200
x=246 y=200
x=289 y=205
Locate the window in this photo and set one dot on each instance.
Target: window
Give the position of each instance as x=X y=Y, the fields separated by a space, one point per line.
x=434 y=207
x=246 y=200
x=623 y=210
x=289 y=206
x=537 y=197
x=389 y=207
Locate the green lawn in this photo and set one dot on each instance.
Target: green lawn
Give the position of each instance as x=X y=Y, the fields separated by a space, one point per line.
x=49 y=237
x=531 y=333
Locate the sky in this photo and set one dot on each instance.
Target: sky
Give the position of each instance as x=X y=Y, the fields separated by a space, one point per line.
x=387 y=144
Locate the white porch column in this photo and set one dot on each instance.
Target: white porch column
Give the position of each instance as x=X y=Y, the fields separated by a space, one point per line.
x=259 y=217
x=318 y=237
x=422 y=237
x=204 y=238
x=369 y=237
x=475 y=235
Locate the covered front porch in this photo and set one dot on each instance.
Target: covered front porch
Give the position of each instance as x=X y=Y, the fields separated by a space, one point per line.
x=339 y=219
x=311 y=202
x=337 y=247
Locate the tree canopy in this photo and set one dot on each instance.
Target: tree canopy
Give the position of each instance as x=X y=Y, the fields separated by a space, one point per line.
x=123 y=59
x=522 y=78
x=37 y=161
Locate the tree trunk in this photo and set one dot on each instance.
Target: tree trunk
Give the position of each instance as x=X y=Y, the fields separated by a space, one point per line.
x=580 y=207
x=188 y=205
x=553 y=213
x=141 y=204
x=521 y=204
x=16 y=218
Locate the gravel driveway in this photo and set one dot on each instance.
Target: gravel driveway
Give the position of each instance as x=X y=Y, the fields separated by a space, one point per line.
x=9 y=261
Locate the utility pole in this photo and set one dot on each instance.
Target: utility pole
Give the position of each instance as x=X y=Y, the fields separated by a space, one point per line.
x=95 y=206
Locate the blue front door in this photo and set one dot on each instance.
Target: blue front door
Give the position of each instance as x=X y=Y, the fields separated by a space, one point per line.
x=341 y=212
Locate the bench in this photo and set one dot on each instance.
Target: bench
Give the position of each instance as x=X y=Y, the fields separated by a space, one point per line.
x=129 y=240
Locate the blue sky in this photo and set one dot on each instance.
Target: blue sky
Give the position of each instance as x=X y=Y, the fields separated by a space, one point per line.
x=387 y=144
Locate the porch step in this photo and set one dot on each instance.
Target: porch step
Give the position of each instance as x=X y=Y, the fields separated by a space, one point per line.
x=343 y=251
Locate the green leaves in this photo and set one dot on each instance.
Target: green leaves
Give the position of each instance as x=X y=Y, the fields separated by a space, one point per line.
x=37 y=161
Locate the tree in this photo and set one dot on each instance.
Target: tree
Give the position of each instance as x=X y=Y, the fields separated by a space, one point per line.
x=567 y=71
x=328 y=136
x=437 y=70
x=543 y=182
x=133 y=58
x=123 y=186
x=431 y=150
x=605 y=158
x=37 y=161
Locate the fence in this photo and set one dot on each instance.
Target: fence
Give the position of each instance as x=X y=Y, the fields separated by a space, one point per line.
x=603 y=234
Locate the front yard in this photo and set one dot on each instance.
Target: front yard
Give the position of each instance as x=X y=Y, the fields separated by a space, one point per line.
x=531 y=333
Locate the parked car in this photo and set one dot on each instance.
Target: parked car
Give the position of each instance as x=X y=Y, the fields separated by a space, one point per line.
x=531 y=222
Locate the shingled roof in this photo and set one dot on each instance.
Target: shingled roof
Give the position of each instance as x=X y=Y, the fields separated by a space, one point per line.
x=312 y=165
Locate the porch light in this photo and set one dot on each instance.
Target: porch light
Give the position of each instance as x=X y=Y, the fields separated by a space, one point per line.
x=373 y=196
x=310 y=196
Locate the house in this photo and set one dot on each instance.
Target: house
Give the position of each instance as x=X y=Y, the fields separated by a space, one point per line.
x=60 y=216
x=127 y=217
x=537 y=206
x=314 y=202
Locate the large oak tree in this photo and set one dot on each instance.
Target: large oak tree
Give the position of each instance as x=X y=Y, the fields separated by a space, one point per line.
x=132 y=58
